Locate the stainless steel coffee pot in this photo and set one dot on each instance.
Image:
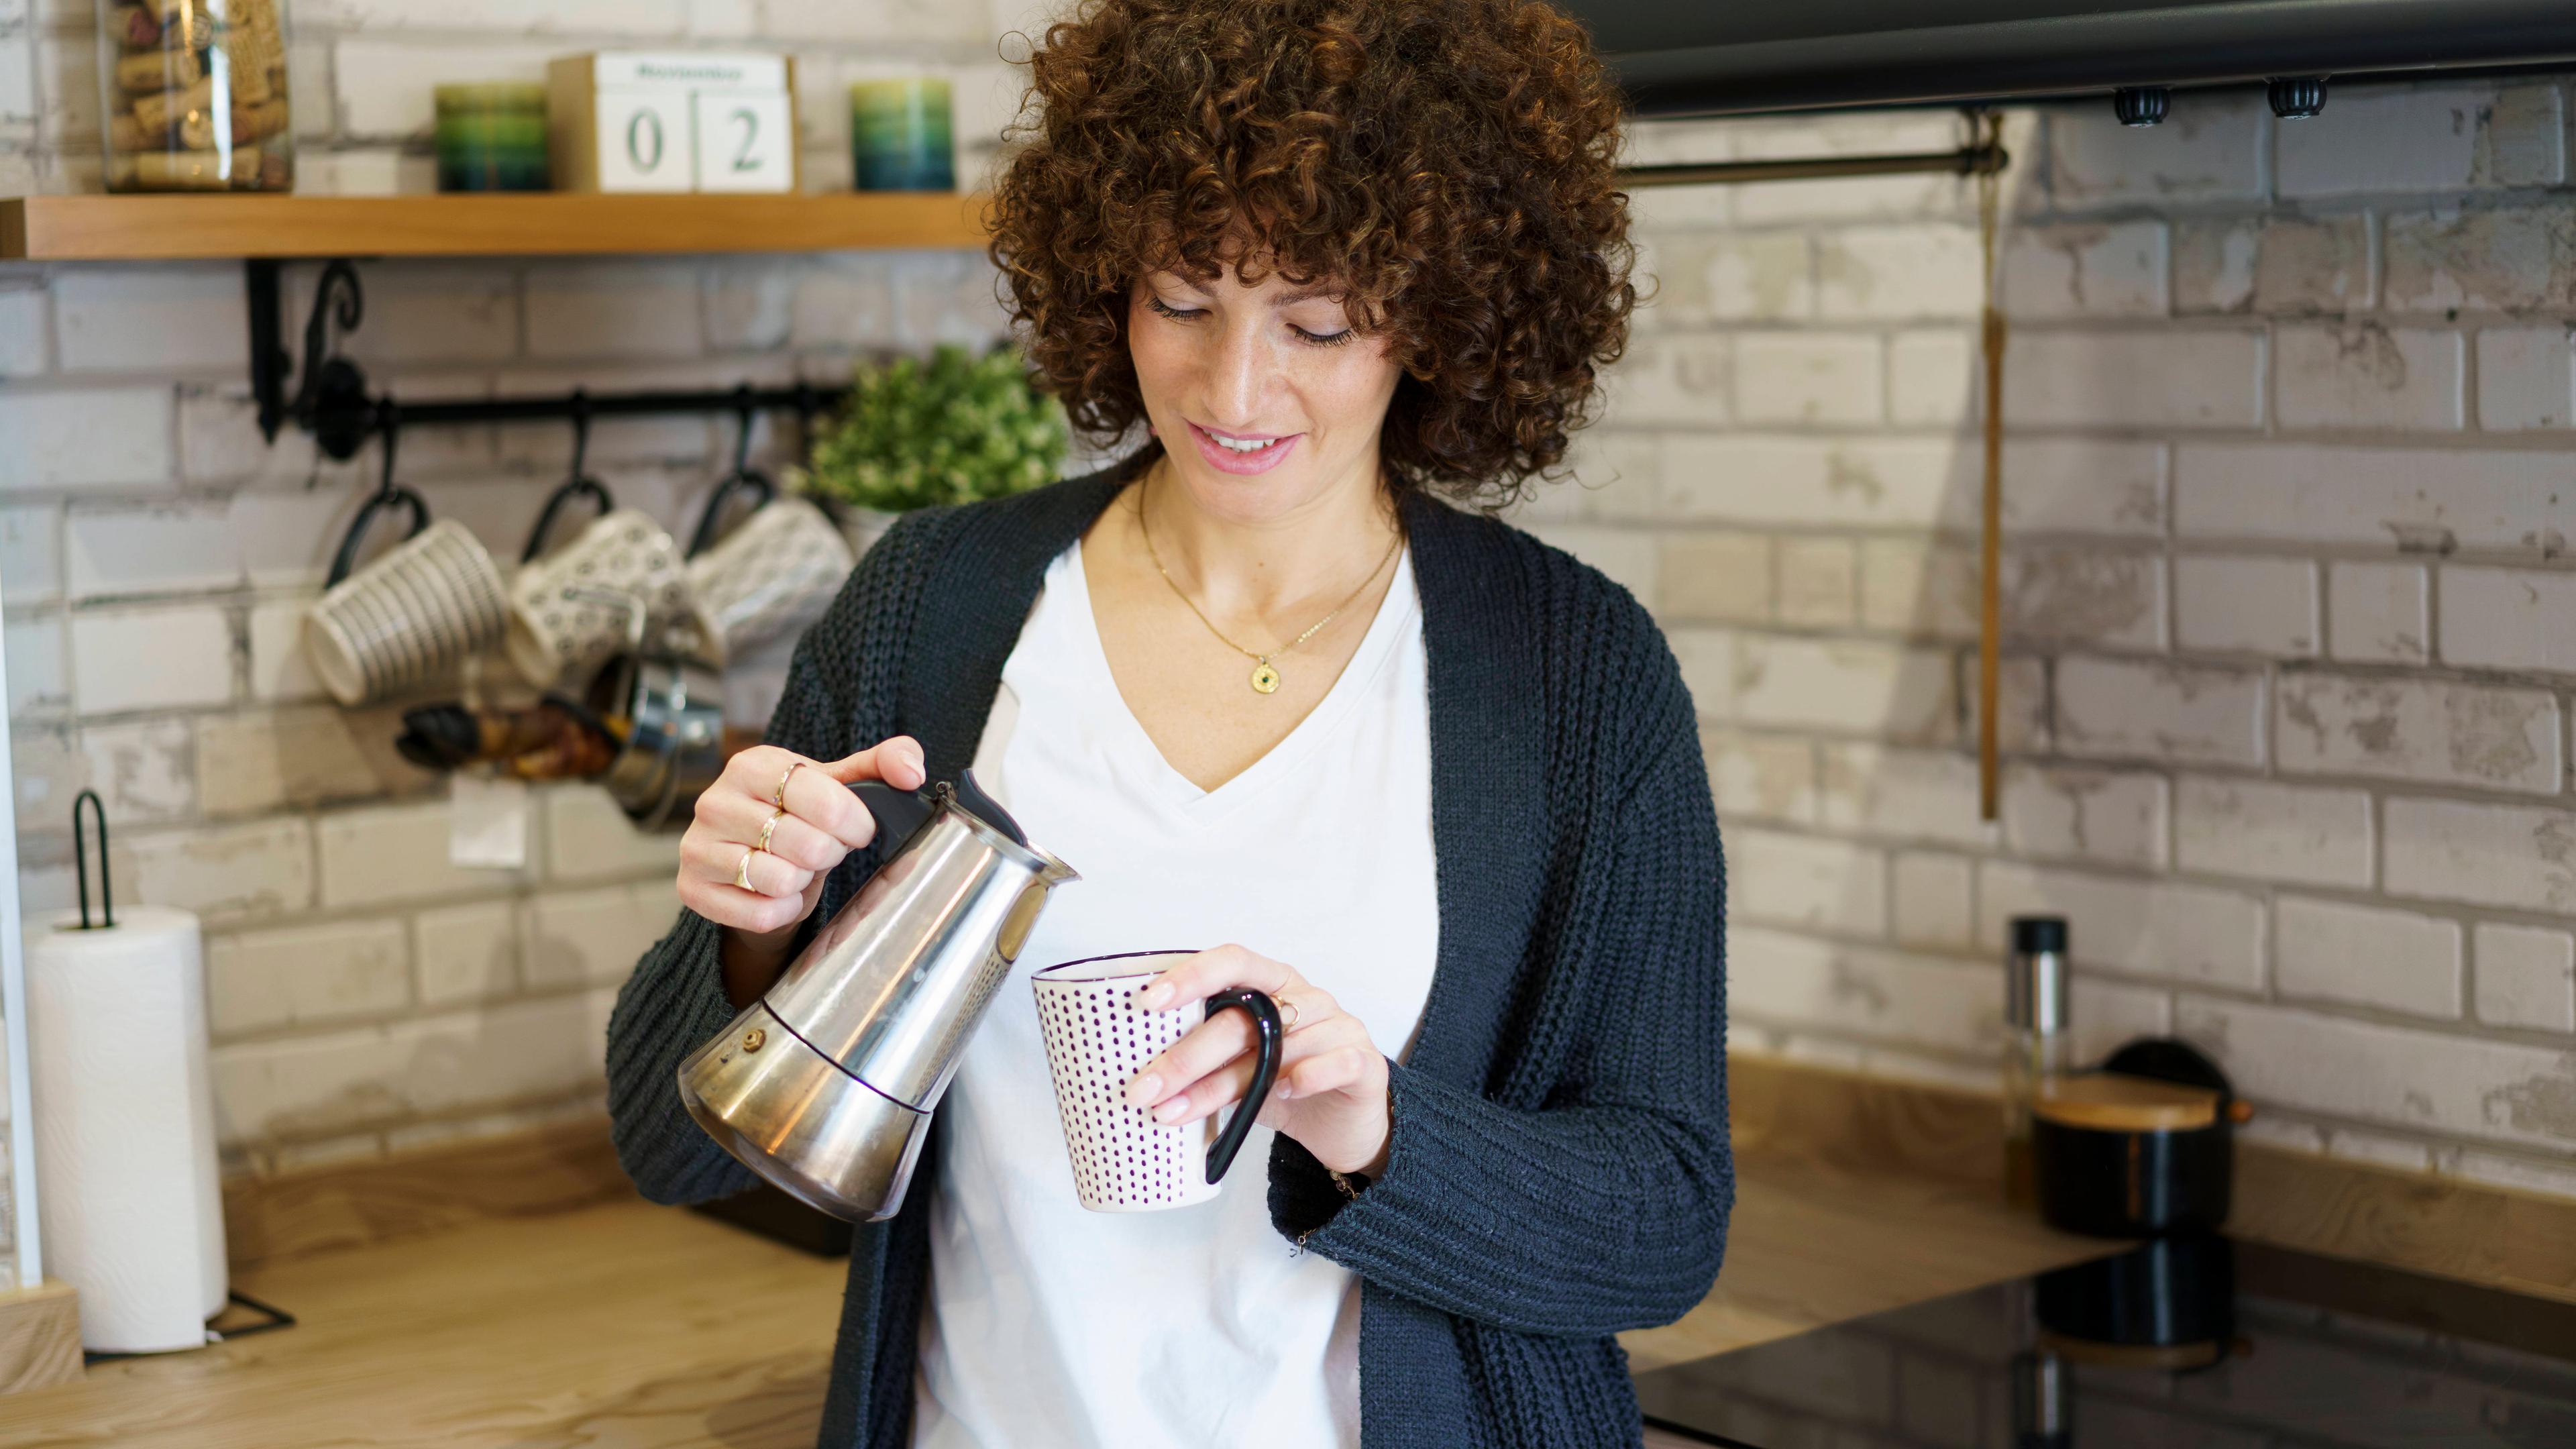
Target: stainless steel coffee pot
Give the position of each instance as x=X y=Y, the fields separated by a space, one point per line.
x=825 y=1085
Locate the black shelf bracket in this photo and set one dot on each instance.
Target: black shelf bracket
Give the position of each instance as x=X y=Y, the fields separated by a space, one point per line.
x=331 y=399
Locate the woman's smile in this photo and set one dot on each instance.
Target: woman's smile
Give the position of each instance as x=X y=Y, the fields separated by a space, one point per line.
x=1242 y=452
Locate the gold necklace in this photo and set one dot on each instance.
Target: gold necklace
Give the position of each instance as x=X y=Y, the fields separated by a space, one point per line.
x=1265 y=676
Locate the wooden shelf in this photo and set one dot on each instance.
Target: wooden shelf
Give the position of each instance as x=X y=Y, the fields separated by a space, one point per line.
x=165 y=228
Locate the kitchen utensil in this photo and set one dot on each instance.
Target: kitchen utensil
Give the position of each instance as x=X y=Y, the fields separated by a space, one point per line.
x=2143 y=1146
x=826 y=1084
x=1097 y=1039
x=776 y=571
x=2037 y=1037
x=555 y=739
x=123 y=1115
x=773 y=575
x=409 y=616
x=566 y=610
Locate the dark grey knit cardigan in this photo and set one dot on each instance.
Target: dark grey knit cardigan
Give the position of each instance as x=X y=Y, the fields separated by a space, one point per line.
x=1560 y=1167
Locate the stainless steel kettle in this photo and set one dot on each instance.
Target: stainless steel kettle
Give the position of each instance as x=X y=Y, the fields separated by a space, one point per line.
x=825 y=1085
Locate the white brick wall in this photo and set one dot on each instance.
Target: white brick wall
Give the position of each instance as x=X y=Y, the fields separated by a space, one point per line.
x=2292 y=330
x=2395 y=960
x=2286 y=594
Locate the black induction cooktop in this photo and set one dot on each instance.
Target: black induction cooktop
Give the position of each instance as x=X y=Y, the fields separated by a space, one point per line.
x=2193 y=1343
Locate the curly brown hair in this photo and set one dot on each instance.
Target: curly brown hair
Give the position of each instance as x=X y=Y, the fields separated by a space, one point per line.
x=1450 y=164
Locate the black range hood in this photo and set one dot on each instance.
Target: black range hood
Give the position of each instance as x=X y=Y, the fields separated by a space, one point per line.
x=1711 y=58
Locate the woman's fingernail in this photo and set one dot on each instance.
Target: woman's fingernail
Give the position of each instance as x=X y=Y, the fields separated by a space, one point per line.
x=1283 y=1092
x=1143 y=1089
x=1155 y=995
x=1170 y=1110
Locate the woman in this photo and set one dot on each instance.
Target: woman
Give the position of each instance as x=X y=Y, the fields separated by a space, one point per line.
x=1342 y=262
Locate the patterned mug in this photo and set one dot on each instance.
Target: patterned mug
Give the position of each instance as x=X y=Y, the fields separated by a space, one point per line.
x=775 y=573
x=1096 y=1040
x=564 y=618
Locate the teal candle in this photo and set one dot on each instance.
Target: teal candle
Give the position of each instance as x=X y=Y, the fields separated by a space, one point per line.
x=492 y=137
x=899 y=135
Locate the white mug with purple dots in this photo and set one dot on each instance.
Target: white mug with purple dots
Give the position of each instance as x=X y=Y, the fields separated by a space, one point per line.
x=1097 y=1039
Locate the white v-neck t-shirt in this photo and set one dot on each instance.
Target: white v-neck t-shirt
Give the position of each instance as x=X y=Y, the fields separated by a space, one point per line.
x=1047 y=1324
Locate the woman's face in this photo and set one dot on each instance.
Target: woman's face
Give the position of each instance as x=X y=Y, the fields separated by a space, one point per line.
x=1266 y=397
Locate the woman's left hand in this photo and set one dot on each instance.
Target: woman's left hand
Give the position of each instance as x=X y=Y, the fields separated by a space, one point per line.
x=1331 y=1092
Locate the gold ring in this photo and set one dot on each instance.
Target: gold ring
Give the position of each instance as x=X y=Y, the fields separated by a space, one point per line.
x=1289 y=1023
x=769 y=825
x=778 y=797
x=742 y=872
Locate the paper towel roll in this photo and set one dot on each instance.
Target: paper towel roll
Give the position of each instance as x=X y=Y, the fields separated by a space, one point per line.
x=127 y=1188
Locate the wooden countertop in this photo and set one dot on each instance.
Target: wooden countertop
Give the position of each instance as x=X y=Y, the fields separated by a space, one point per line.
x=633 y=1325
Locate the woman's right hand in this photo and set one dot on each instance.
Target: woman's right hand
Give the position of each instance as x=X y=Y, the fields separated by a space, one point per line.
x=820 y=823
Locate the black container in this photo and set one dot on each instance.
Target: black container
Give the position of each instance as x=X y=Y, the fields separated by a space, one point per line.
x=2143 y=1147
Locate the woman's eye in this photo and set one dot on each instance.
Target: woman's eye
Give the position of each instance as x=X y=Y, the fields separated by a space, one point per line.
x=1192 y=314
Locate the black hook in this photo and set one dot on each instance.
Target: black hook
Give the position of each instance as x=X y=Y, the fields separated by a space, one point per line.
x=388 y=422
x=808 y=403
x=579 y=485
x=580 y=428
x=80 y=862
x=746 y=415
x=742 y=476
x=336 y=298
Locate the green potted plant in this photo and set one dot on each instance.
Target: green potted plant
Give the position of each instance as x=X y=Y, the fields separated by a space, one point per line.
x=917 y=432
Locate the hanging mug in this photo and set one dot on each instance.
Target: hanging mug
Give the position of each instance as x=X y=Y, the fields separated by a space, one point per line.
x=1097 y=1039
x=408 y=617
x=559 y=629
x=774 y=573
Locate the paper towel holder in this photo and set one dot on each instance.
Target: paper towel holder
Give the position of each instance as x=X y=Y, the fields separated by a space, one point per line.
x=80 y=863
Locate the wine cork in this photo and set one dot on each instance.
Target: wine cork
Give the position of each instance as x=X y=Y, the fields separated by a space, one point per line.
x=156 y=70
x=251 y=86
x=124 y=133
x=253 y=38
x=133 y=27
x=197 y=170
x=249 y=123
x=160 y=110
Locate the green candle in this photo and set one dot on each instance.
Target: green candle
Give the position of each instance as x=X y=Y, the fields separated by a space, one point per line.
x=492 y=137
x=899 y=135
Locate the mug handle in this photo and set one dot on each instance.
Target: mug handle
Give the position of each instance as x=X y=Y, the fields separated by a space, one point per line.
x=347 y=557
x=765 y=493
x=579 y=486
x=1265 y=1069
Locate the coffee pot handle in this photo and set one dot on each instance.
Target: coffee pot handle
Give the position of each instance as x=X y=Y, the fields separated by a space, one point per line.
x=898 y=812
x=1266 y=1039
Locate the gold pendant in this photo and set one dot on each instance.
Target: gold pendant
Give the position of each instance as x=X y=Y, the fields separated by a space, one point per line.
x=1264 y=678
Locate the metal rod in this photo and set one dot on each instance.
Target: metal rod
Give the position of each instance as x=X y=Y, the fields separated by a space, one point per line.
x=1967 y=161
x=612 y=404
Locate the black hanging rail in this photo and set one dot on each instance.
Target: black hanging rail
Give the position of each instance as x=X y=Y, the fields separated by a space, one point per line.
x=332 y=400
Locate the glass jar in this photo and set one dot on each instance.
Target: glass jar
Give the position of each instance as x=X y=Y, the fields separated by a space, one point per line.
x=193 y=95
x=492 y=136
x=2038 y=1045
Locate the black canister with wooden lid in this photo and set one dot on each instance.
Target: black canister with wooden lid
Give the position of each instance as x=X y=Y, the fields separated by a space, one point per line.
x=2143 y=1147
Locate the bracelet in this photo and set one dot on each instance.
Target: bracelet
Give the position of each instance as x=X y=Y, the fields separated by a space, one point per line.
x=1344 y=1180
